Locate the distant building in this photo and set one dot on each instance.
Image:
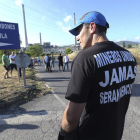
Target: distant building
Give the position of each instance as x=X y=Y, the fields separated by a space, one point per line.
x=48 y=48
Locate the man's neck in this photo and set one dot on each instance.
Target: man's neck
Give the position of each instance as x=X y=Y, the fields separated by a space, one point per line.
x=99 y=38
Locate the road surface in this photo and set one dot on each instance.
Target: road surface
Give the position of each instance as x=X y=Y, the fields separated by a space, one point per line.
x=40 y=118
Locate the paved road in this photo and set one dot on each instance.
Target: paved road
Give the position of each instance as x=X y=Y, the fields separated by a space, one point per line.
x=40 y=118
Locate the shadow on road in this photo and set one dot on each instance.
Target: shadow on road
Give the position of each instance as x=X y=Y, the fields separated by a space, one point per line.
x=53 y=71
x=4 y=126
x=54 y=79
x=15 y=112
x=57 y=86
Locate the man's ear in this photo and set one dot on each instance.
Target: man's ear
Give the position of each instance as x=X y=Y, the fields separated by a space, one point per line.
x=93 y=27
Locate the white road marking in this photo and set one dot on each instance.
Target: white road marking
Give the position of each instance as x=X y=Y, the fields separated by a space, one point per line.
x=56 y=96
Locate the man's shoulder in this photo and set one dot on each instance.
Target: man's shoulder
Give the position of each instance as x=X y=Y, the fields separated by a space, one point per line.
x=3 y=55
x=83 y=56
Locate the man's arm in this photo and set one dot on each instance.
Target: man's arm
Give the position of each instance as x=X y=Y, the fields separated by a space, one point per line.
x=5 y=63
x=71 y=117
x=3 y=58
x=12 y=58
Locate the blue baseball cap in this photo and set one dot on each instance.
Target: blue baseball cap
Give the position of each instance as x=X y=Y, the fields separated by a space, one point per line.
x=94 y=16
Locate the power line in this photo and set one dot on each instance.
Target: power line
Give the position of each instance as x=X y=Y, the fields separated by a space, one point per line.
x=44 y=8
x=46 y=27
x=108 y=6
x=32 y=18
x=40 y=12
x=47 y=8
x=11 y=10
x=129 y=25
x=10 y=17
x=35 y=24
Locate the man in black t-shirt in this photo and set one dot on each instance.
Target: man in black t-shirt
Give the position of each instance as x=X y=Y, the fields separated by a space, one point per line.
x=60 y=63
x=100 y=86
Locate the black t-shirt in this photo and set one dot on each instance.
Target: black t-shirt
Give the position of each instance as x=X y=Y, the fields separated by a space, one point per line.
x=60 y=58
x=102 y=77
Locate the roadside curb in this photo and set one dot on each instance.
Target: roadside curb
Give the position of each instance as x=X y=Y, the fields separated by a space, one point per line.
x=10 y=103
x=6 y=104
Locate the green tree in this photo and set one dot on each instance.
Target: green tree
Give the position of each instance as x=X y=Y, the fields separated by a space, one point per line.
x=68 y=51
x=28 y=54
x=129 y=46
x=123 y=44
x=35 y=50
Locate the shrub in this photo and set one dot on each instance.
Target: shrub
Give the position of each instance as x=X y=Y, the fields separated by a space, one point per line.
x=129 y=46
x=68 y=51
x=43 y=54
x=73 y=55
x=28 y=54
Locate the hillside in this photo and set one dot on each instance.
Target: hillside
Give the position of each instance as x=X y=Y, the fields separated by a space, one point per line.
x=120 y=43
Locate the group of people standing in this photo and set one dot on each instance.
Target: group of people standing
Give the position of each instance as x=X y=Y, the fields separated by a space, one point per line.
x=8 y=63
x=34 y=60
x=62 y=62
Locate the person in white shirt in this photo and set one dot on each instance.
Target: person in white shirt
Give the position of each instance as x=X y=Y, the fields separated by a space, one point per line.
x=12 y=62
x=66 y=60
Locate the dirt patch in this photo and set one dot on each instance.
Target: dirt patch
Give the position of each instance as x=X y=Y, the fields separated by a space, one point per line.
x=11 y=88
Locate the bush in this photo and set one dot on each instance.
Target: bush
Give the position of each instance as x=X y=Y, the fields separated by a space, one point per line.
x=43 y=54
x=68 y=51
x=28 y=54
x=129 y=46
x=73 y=55
x=135 y=52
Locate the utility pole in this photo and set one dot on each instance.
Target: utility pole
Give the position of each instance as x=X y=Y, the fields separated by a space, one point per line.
x=75 y=36
x=26 y=39
x=40 y=39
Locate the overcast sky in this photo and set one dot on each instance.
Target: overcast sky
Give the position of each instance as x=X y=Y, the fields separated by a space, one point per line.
x=53 y=18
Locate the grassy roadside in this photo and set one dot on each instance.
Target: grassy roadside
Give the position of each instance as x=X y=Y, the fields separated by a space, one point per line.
x=73 y=55
x=11 y=89
x=134 y=51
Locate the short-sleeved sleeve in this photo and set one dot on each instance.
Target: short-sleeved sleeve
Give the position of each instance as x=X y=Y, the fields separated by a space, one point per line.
x=79 y=85
x=3 y=57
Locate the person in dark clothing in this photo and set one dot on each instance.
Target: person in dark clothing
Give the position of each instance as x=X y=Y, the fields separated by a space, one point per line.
x=47 y=60
x=100 y=86
x=60 y=63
